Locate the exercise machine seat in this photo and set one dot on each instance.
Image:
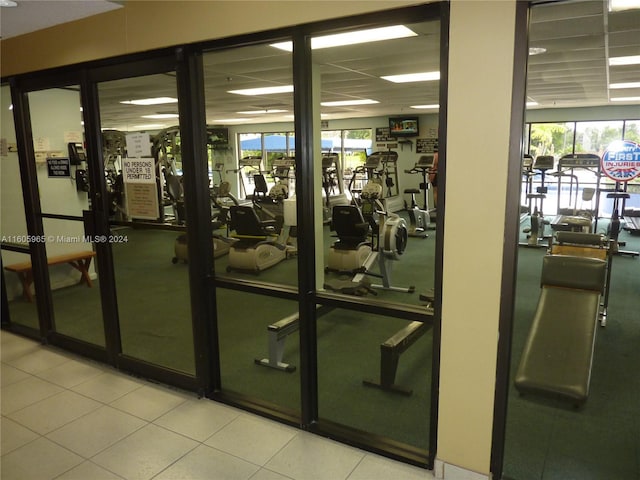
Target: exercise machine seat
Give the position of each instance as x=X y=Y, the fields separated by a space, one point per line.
x=350 y=226
x=246 y=223
x=558 y=352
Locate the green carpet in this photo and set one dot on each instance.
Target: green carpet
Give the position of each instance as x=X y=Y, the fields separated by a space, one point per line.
x=549 y=439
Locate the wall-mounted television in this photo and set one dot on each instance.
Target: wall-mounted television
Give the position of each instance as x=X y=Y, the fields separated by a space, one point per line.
x=403 y=126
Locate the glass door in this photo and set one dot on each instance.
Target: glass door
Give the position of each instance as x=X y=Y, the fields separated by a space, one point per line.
x=141 y=148
x=63 y=170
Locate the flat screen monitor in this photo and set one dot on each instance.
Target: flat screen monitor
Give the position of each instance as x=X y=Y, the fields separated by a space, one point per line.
x=403 y=126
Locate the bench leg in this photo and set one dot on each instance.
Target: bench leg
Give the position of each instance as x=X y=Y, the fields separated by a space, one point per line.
x=26 y=278
x=83 y=267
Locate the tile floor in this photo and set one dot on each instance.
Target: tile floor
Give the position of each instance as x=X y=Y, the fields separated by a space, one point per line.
x=64 y=418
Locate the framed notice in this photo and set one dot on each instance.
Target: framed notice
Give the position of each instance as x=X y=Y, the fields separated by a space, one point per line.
x=58 y=167
x=426 y=145
x=140 y=188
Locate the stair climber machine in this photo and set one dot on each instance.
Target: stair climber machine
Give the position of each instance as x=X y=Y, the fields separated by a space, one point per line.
x=536 y=231
x=419 y=217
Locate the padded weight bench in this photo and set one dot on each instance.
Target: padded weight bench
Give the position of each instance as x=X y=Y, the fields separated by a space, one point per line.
x=558 y=353
x=78 y=260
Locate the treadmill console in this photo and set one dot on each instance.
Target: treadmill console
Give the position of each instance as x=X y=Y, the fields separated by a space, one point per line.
x=544 y=162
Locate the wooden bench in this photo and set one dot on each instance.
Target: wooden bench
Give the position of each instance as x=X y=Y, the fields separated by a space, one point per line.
x=78 y=260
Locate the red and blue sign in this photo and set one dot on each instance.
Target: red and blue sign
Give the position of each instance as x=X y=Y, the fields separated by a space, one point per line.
x=621 y=161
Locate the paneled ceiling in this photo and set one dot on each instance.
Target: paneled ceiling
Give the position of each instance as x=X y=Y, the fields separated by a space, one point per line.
x=577 y=37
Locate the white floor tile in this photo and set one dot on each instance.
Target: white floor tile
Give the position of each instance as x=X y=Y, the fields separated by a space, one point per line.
x=252 y=438
x=26 y=392
x=144 y=453
x=70 y=373
x=39 y=360
x=92 y=433
x=329 y=460
x=373 y=467
x=14 y=347
x=108 y=386
x=9 y=375
x=264 y=474
x=88 y=471
x=205 y=463
x=198 y=418
x=14 y=435
x=149 y=402
x=38 y=460
x=55 y=411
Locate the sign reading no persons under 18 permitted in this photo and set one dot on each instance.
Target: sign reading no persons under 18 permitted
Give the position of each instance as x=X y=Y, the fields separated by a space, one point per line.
x=621 y=161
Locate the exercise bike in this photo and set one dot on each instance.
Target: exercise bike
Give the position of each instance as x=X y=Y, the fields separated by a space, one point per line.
x=419 y=217
x=536 y=230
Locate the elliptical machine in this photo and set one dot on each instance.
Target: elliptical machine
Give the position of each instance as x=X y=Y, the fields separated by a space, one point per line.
x=419 y=217
x=536 y=231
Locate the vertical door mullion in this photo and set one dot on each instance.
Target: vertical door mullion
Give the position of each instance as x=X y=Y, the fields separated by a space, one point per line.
x=304 y=143
x=99 y=207
x=193 y=132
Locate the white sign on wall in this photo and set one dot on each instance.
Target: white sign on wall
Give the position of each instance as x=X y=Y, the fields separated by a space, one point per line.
x=138 y=145
x=140 y=188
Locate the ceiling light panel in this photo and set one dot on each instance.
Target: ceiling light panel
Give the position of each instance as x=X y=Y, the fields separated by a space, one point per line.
x=345 y=103
x=264 y=90
x=628 y=60
x=151 y=101
x=413 y=77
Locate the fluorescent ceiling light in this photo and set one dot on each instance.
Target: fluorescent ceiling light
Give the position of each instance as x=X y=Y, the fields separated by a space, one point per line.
x=624 y=85
x=261 y=112
x=354 y=38
x=8 y=3
x=342 y=103
x=617 y=5
x=626 y=99
x=532 y=103
x=536 y=50
x=231 y=120
x=426 y=106
x=151 y=101
x=149 y=126
x=629 y=60
x=413 y=77
x=159 y=116
x=264 y=90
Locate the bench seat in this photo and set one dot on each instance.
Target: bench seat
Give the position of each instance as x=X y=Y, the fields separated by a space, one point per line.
x=78 y=260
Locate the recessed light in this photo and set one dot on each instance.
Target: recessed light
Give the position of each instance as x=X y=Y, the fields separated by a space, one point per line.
x=628 y=60
x=264 y=90
x=261 y=112
x=149 y=126
x=8 y=3
x=617 y=5
x=342 y=103
x=536 y=50
x=159 y=116
x=413 y=77
x=426 y=107
x=151 y=101
x=532 y=103
x=624 y=85
x=231 y=120
x=353 y=38
x=626 y=99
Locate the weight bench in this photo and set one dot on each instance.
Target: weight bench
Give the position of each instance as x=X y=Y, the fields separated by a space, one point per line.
x=277 y=335
x=558 y=352
x=390 y=351
x=78 y=260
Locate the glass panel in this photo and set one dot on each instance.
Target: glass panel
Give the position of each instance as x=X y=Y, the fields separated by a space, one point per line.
x=151 y=275
x=259 y=353
x=258 y=179
x=13 y=226
x=360 y=385
x=63 y=181
x=549 y=434
x=381 y=232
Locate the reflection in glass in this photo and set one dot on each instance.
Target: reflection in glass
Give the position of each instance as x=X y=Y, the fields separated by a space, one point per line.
x=259 y=347
x=352 y=358
x=381 y=230
x=63 y=184
x=13 y=226
x=254 y=186
x=151 y=272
